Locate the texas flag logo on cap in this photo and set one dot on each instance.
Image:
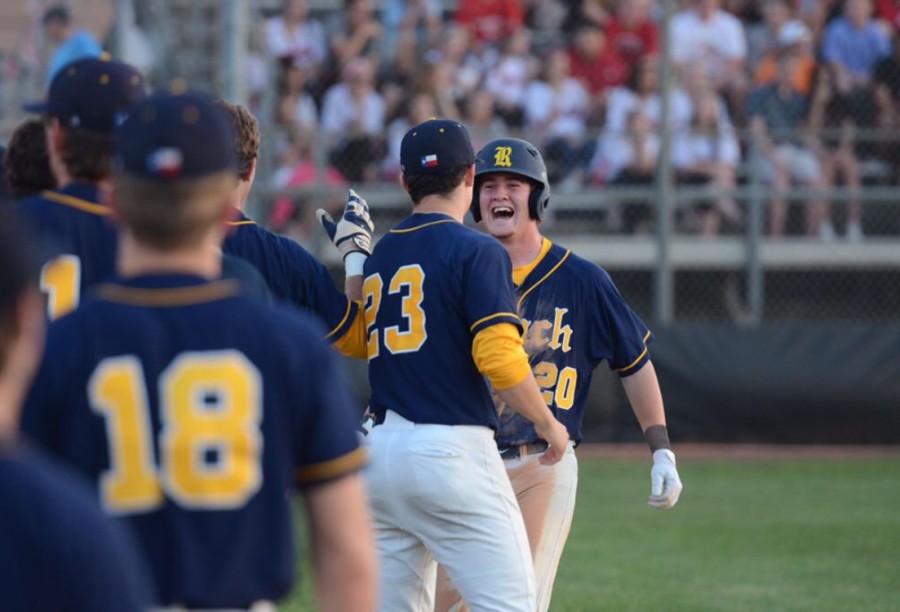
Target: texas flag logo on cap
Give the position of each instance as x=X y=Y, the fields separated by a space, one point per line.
x=429 y=161
x=165 y=162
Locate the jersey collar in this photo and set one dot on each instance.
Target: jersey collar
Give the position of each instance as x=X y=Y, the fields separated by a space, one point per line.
x=544 y=267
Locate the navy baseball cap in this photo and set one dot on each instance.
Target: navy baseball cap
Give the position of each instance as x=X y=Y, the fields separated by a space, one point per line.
x=170 y=136
x=92 y=94
x=434 y=146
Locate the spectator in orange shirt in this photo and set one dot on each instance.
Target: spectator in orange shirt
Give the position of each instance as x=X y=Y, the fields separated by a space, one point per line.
x=796 y=39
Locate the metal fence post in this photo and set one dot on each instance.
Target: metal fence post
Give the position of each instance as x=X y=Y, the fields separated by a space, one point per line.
x=663 y=298
x=755 y=274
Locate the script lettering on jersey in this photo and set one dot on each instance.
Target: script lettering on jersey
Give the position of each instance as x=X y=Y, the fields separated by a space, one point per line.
x=557 y=385
x=502 y=157
x=543 y=334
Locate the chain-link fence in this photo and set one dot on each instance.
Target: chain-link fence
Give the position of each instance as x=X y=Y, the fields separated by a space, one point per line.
x=767 y=196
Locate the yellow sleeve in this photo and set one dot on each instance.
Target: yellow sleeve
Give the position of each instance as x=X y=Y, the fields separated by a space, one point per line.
x=500 y=355
x=353 y=343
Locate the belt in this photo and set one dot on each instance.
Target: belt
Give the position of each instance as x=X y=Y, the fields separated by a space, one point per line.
x=515 y=451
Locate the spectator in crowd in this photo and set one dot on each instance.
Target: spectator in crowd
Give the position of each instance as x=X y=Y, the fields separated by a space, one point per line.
x=545 y=19
x=479 y=117
x=556 y=113
x=354 y=32
x=888 y=13
x=420 y=108
x=27 y=161
x=594 y=12
x=296 y=36
x=778 y=115
x=763 y=36
x=353 y=122
x=835 y=135
x=490 y=22
x=438 y=80
x=637 y=151
x=631 y=32
x=593 y=61
x=418 y=20
x=852 y=46
x=468 y=67
x=640 y=93
x=886 y=82
x=708 y=153
x=298 y=168
x=70 y=43
x=793 y=37
x=296 y=106
x=703 y=35
x=509 y=77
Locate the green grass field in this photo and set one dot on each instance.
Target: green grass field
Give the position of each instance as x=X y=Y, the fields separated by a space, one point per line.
x=747 y=535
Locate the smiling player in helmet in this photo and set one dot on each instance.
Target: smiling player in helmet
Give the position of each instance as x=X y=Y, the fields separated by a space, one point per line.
x=574 y=318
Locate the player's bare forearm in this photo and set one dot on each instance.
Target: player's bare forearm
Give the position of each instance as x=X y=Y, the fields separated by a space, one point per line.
x=353 y=287
x=342 y=545
x=642 y=389
x=525 y=398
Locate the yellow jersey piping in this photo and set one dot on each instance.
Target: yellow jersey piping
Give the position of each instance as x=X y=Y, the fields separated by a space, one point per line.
x=543 y=278
x=180 y=296
x=77 y=203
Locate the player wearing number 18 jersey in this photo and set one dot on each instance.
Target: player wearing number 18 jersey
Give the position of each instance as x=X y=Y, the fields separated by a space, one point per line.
x=195 y=408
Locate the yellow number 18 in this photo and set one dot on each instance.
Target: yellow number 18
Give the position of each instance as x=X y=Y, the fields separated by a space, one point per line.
x=210 y=407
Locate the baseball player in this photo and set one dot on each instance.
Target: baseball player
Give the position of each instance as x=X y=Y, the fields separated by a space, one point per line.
x=85 y=101
x=194 y=408
x=574 y=318
x=57 y=549
x=290 y=271
x=441 y=316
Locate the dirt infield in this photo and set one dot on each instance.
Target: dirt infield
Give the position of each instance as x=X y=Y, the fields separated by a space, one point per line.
x=743 y=451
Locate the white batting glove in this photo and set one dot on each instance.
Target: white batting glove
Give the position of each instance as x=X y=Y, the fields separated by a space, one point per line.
x=353 y=231
x=665 y=485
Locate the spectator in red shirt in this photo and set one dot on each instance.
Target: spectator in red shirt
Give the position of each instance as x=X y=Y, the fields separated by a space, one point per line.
x=596 y=64
x=888 y=11
x=490 y=21
x=631 y=32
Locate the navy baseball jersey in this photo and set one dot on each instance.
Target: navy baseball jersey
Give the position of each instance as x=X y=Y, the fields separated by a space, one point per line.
x=76 y=239
x=431 y=285
x=57 y=549
x=292 y=274
x=194 y=409
x=574 y=318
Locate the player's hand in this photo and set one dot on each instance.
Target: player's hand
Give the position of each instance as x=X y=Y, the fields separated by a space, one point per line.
x=557 y=436
x=367 y=423
x=665 y=485
x=353 y=231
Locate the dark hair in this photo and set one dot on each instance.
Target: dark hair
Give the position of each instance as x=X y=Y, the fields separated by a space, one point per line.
x=27 y=162
x=18 y=273
x=87 y=155
x=58 y=13
x=421 y=185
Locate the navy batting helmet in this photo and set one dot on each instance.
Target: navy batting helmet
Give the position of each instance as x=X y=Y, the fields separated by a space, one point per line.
x=514 y=156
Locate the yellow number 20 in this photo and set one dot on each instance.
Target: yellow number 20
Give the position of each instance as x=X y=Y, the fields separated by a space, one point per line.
x=548 y=376
x=210 y=447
